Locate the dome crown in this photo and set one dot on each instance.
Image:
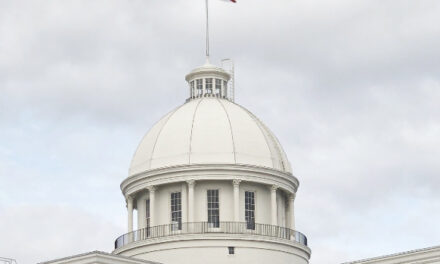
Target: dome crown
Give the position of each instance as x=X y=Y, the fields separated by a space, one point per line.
x=209 y=130
x=208 y=81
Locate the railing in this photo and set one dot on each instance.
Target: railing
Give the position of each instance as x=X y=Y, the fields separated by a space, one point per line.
x=209 y=228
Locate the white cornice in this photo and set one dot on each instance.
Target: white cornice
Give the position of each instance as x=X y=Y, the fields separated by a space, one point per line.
x=140 y=181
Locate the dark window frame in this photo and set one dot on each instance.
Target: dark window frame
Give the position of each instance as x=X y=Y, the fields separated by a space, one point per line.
x=249 y=207
x=213 y=205
x=176 y=211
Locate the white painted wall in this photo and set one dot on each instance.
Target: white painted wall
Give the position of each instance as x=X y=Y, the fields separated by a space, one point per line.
x=263 y=209
x=163 y=202
x=226 y=198
x=262 y=202
x=215 y=251
x=212 y=248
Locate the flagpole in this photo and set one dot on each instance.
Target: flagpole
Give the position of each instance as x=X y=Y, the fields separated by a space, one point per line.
x=207 y=31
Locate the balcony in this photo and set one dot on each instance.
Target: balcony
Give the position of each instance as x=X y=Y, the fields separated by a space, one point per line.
x=242 y=228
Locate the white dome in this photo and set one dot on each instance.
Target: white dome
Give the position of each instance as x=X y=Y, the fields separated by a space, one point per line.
x=209 y=131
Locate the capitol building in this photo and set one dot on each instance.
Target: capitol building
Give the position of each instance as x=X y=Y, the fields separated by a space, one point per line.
x=211 y=184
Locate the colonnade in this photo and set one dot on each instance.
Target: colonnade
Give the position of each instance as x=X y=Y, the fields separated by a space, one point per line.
x=188 y=189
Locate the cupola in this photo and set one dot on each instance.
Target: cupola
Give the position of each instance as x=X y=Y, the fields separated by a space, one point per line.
x=208 y=81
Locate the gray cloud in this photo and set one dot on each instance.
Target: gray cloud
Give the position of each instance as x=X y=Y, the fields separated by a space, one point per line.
x=351 y=89
x=40 y=233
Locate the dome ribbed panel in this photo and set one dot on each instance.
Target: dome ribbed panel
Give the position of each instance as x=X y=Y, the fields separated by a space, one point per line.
x=250 y=145
x=173 y=144
x=281 y=154
x=142 y=158
x=209 y=131
x=279 y=157
x=211 y=136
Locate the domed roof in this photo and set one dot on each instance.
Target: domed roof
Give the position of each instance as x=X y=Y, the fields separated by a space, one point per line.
x=207 y=68
x=209 y=131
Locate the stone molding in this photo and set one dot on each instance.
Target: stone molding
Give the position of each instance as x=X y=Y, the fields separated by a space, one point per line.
x=236 y=182
x=152 y=188
x=191 y=183
x=306 y=251
x=292 y=196
x=139 y=182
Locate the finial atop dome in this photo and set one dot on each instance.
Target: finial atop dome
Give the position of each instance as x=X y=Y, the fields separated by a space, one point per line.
x=209 y=80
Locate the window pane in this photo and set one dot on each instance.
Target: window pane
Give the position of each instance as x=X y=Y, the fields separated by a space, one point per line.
x=208 y=85
x=176 y=211
x=147 y=206
x=192 y=92
x=225 y=85
x=250 y=210
x=218 y=87
x=199 y=83
x=213 y=208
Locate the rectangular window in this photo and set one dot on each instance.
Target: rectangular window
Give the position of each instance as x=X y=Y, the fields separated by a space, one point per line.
x=225 y=88
x=148 y=216
x=208 y=85
x=250 y=209
x=218 y=87
x=176 y=211
x=231 y=250
x=213 y=209
x=199 y=83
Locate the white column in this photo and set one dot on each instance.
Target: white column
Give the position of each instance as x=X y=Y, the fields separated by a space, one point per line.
x=184 y=203
x=130 y=213
x=236 y=184
x=292 y=211
x=141 y=208
x=273 y=204
x=153 y=217
x=191 y=184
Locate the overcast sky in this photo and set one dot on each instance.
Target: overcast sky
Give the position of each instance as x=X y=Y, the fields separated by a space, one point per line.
x=351 y=89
